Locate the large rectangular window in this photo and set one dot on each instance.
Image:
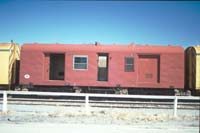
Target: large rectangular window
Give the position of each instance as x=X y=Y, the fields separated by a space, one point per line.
x=80 y=62
x=129 y=64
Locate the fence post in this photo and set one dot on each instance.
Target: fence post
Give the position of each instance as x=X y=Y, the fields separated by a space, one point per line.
x=87 y=103
x=4 y=109
x=175 y=106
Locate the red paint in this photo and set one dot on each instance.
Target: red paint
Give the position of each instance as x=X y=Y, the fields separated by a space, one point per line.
x=148 y=69
x=46 y=66
x=171 y=65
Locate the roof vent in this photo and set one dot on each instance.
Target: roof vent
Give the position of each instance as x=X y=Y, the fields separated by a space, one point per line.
x=97 y=43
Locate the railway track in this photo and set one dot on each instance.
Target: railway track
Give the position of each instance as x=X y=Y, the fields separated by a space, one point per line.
x=137 y=103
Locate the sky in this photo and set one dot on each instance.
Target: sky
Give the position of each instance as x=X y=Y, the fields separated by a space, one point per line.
x=107 y=22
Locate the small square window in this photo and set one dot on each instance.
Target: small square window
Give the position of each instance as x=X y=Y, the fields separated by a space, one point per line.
x=129 y=64
x=80 y=62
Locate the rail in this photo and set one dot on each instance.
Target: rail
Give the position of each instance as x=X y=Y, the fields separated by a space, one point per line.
x=88 y=95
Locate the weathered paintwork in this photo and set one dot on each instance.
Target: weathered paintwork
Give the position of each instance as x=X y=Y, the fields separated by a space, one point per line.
x=9 y=53
x=192 y=73
x=197 y=67
x=168 y=65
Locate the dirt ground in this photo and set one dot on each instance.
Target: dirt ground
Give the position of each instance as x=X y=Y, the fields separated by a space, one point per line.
x=25 y=118
x=87 y=128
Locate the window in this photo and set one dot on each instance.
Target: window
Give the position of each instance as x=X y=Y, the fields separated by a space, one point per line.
x=80 y=62
x=129 y=64
x=102 y=67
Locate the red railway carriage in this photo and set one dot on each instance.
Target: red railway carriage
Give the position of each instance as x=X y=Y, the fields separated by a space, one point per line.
x=96 y=65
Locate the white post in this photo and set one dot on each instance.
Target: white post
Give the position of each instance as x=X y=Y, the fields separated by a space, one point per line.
x=87 y=103
x=175 y=106
x=4 y=109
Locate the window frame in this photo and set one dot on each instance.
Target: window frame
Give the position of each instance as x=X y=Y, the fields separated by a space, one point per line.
x=85 y=56
x=125 y=64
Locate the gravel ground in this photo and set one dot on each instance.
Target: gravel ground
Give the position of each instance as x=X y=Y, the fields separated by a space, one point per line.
x=110 y=119
x=87 y=128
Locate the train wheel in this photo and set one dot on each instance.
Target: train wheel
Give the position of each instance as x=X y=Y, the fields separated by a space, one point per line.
x=121 y=91
x=77 y=89
x=124 y=91
x=177 y=92
x=17 y=88
x=24 y=89
x=188 y=93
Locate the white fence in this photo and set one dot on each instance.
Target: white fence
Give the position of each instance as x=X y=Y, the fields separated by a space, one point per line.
x=88 y=95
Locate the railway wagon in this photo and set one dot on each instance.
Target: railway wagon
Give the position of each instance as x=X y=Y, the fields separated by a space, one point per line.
x=9 y=65
x=192 y=69
x=124 y=68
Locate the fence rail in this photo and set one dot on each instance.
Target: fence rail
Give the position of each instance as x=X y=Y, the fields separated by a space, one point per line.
x=88 y=95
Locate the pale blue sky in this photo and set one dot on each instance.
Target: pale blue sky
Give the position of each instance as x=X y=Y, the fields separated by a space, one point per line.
x=159 y=23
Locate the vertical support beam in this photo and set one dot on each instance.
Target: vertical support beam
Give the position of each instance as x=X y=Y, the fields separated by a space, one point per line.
x=175 y=106
x=87 y=103
x=4 y=109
